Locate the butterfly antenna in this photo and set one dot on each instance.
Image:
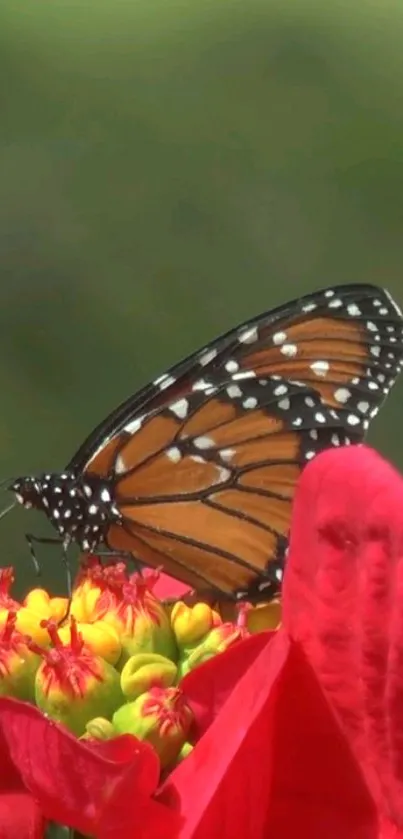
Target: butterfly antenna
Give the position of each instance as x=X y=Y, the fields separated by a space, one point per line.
x=7 y=509
x=6 y=483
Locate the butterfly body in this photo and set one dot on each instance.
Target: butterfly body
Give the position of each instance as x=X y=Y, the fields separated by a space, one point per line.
x=197 y=471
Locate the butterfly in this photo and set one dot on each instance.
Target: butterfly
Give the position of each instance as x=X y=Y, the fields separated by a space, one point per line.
x=197 y=471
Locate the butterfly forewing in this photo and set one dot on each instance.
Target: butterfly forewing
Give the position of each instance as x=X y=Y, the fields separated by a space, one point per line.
x=346 y=342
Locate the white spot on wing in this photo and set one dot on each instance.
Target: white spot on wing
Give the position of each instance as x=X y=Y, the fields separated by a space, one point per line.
x=249 y=336
x=234 y=391
x=174 y=454
x=134 y=425
x=207 y=356
x=289 y=350
x=227 y=454
x=120 y=465
x=204 y=442
x=164 y=381
x=201 y=384
x=180 y=408
x=244 y=374
x=250 y=403
x=279 y=338
x=320 y=367
x=342 y=395
x=197 y=458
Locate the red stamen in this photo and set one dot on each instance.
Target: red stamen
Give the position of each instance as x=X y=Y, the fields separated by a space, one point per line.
x=66 y=664
x=6 y=581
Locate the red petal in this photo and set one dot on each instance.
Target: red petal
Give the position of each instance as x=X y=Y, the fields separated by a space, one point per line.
x=209 y=686
x=215 y=788
x=75 y=782
x=10 y=778
x=20 y=817
x=343 y=597
x=167 y=588
x=317 y=788
x=259 y=769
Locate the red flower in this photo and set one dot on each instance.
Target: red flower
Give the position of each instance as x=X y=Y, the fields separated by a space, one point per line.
x=299 y=732
x=102 y=789
x=167 y=588
x=311 y=741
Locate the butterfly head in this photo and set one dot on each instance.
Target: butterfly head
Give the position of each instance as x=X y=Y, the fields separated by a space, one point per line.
x=29 y=491
x=81 y=508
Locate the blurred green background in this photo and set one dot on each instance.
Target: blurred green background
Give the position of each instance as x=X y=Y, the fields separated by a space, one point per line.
x=166 y=170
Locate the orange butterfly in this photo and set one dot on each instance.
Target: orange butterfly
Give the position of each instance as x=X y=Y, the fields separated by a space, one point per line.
x=196 y=472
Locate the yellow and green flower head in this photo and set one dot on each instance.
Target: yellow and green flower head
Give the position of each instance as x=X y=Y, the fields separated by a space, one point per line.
x=28 y=620
x=220 y=636
x=145 y=671
x=97 y=588
x=160 y=716
x=18 y=663
x=191 y=624
x=139 y=618
x=38 y=600
x=72 y=684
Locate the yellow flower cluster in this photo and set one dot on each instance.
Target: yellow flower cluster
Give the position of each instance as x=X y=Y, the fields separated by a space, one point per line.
x=111 y=661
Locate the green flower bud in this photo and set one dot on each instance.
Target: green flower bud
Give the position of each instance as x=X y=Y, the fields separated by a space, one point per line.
x=186 y=749
x=73 y=685
x=191 y=624
x=161 y=717
x=217 y=641
x=18 y=664
x=144 y=671
x=99 y=729
x=140 y=620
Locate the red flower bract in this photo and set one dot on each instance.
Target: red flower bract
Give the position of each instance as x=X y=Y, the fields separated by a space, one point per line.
x=299 y=732
x=98 y=788
x=343 y=603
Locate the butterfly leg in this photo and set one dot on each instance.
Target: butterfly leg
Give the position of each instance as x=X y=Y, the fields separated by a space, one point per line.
x=66 y=563
x=39 y=540
x=44 y=540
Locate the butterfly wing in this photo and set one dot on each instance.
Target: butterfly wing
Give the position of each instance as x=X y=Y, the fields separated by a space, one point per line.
x=205 y=487
x=346 y=342
x=205 y=460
